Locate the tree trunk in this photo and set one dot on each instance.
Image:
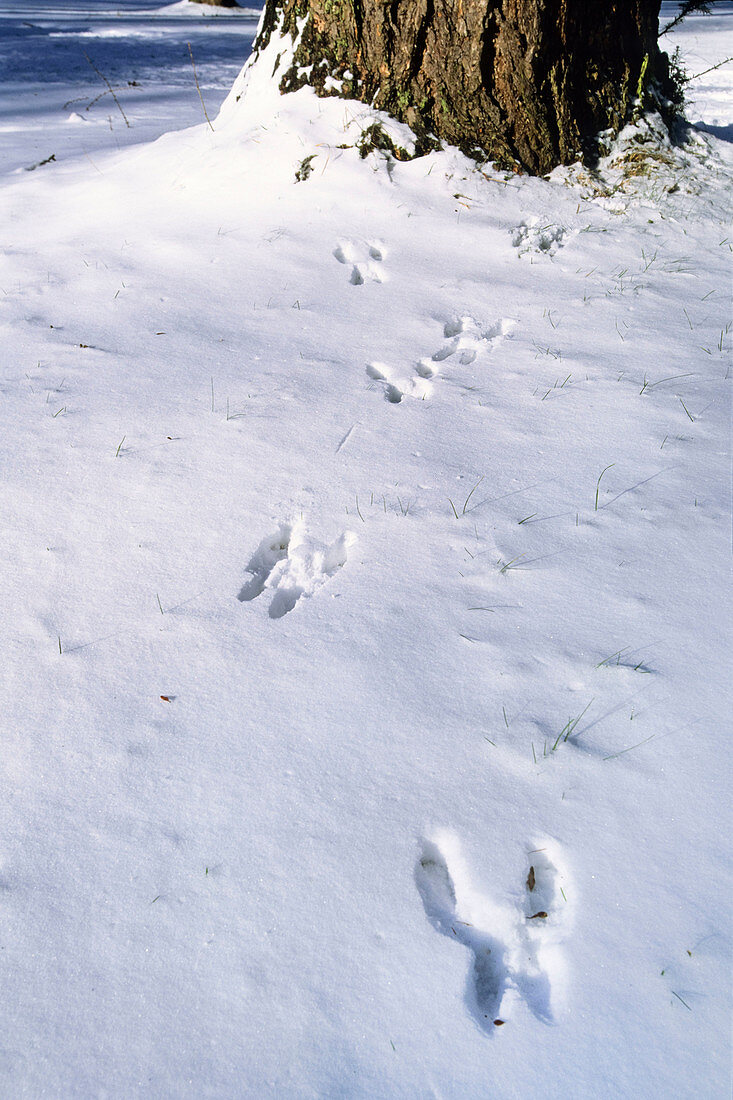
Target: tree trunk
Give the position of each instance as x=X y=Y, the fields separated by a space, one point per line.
x=521 y=82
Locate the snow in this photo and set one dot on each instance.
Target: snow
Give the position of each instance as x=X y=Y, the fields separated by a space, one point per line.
x=56 y=57
x=366 y=545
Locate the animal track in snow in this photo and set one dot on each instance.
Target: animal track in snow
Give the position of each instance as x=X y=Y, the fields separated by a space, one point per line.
x=395 y=389
x=516 y=949
x=365 y=260
x=262 y=563
x=465 y=339
x=536 y=237
x=292 y=565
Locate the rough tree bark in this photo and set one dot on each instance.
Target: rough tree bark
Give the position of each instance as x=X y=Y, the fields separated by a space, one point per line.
x=521 y=82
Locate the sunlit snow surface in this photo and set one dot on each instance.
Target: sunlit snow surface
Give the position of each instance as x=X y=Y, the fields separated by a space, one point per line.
x=365 y=603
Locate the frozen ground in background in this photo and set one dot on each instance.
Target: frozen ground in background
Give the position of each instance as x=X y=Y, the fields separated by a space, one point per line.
x=55 y=104
x=365 y=663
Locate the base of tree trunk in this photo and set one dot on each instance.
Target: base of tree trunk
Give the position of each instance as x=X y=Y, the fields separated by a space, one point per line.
x=524 y=83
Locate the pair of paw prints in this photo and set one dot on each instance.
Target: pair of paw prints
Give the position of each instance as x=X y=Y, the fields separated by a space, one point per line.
x=292 y=565
x=463 y=341
x=535 y=236
x=396 y=387
x=364 y=259
x=516 y=949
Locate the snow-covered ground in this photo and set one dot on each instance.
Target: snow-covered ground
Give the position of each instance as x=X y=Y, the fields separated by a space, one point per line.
x=58 y=59
x=365 y=604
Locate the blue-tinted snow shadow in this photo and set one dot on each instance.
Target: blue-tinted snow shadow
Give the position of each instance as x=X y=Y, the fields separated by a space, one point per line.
x=49 y=45
x=725 y=133
x=155 y=58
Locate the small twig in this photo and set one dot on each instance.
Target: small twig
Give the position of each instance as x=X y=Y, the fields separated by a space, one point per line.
x=687 y=7
x=111 y=89
x=198 y=89
x=710 y=70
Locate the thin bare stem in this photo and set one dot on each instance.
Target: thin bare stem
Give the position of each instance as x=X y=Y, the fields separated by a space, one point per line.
x=111 y=89
x=198 y=89
x=711 y=69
